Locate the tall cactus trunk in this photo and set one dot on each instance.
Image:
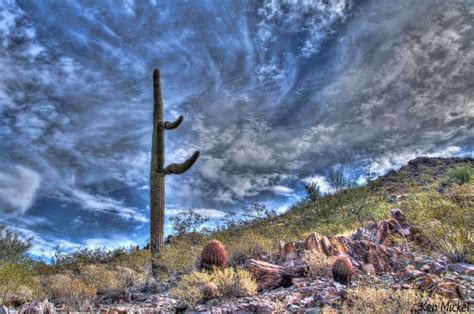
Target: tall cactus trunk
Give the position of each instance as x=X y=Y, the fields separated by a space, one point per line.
x=158 y=172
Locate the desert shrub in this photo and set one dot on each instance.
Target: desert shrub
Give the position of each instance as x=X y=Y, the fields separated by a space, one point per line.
x=18 y=284
x=447 y=225
x=13 y=247
x=78 y=259
x=136 y=260
x=102 y=279
x=257 y=212
x=318 y=264
x=187 y=222
x=193 y=287
x=179 y=257
x=69 y=290
x=382 y=300
x=128 y=277
x=460 y=174
x=249 y=245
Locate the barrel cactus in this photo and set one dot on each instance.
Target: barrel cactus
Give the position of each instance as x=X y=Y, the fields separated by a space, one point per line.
x=213 y=255
x=342 y=270
x=209 y=290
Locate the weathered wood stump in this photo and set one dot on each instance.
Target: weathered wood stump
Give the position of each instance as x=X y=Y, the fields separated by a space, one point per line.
x=270 y=276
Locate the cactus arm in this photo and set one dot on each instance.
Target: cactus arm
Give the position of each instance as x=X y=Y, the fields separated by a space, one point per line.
x=174 y=124
x=182 y=167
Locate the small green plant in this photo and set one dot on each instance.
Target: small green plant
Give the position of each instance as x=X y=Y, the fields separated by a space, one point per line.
x=460 y=174
x=196 y=287
x=213 y=255
x=342 y=270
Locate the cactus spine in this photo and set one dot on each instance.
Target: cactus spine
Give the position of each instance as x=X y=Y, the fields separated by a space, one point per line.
x=158 y=172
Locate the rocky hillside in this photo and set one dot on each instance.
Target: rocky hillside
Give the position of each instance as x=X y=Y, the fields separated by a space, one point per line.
x=359 y=250
x=421 y=171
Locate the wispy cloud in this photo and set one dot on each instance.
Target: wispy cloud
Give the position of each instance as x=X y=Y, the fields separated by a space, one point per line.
x=18 y=187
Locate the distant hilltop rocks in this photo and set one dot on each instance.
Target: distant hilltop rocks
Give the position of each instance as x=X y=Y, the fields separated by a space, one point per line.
x=420 y=171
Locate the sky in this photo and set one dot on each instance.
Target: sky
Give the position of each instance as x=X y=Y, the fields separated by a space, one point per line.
x=274 y=93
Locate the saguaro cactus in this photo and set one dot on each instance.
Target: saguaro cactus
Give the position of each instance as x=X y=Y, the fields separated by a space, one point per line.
x=158 y=172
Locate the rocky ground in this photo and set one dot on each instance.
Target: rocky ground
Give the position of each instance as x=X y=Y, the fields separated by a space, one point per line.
x=381 y=254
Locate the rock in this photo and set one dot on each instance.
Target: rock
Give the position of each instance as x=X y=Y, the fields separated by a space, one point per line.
x=382 y=232
x=35 y=307
x=104 y=311
x=368 y=269
x=3 y=309
x=399 y=216
x=425 y=268
x=437 y=268
x=312 y=242
x=327 y=247
x=462 y=268
x=410 y=268
x=120 y=310
x=139 y=297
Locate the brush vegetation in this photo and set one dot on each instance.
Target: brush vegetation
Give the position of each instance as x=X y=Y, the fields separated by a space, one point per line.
x=437 y=197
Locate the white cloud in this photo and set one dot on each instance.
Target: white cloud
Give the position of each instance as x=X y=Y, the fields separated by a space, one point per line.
x=18 y=188
x=205 y=212
x=281 y=190
x=99 y=203
x=320 y=181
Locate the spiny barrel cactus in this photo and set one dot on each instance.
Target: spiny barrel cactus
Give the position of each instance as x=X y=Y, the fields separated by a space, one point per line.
x=342 y=270
x=213 y=254
x=158 y=172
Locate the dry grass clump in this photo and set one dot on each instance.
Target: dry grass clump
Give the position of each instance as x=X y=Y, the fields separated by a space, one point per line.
x=382 y=300
x=194 y=288
x=101 y=278
x=249 y=245
x=318 y=264
x=69 y=290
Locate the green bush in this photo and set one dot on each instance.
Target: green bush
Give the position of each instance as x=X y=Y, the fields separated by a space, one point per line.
x=460 y=174
x=180 y=256
x=18 y=284
x=229 y=283
x=13 y=247
x=447 y=225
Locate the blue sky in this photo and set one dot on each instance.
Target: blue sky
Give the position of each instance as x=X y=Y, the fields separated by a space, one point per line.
x=274 y=93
